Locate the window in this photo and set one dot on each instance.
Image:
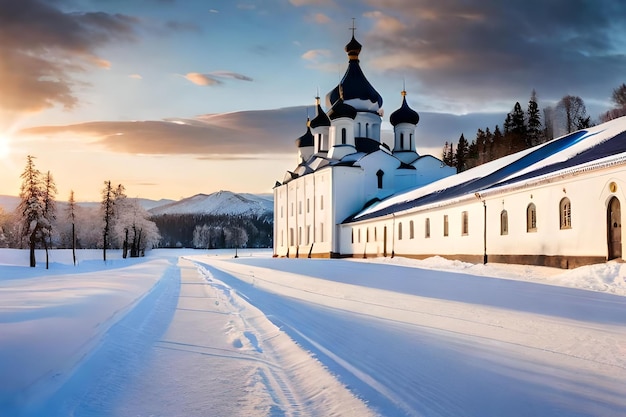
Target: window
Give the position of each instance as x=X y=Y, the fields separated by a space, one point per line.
x=321 y=202
x=343 y=135
x=367 y=130
x=291 y=212
x=399 y=231
x=367 y=234
x=359 y=235
x=352 y=235
x=380 y=175
x=401 y=140
x=375 y=237
x=464 y=224
x=300 y=235
x=300 y=207
x=321 y=232
x=282 y=238
x=531 y=218
x=308 y=205
x=504 y=223
x=291 y=236
x=565 y=213
x=445 y=225
x=427 y=228
x=411 y=230
x=308 y=234
x=411 y=140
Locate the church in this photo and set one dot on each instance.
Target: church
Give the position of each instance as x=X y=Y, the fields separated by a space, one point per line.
x=557 y=204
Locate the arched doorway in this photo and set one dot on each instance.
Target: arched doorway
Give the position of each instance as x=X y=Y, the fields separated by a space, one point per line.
x=614 y=228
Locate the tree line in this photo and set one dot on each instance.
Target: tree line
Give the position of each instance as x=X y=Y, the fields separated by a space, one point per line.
x=523 y=129
x=118 y=222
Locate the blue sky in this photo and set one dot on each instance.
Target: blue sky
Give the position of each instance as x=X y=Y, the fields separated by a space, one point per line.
x=96 y=86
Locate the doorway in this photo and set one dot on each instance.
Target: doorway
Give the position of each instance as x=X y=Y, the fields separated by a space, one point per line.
x=614 y=228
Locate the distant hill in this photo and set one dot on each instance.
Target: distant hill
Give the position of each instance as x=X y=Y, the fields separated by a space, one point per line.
x=219 y=204
x=10 y=203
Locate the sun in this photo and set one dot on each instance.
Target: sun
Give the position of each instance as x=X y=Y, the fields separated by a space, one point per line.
x=5 y=147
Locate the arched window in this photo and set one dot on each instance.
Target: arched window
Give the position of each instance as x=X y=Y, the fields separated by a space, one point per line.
x=343 y=135
x=359 y=235
x=445 y=225
x=367 y=234
x=380 y=175
x=410 y=140
x=531 y=218
x=367 y=130
x=411 y=230
x=504 y=223
x=399 y=231
x=464 y=224
x=427 y=228
x=401 y=140
x=565 y=213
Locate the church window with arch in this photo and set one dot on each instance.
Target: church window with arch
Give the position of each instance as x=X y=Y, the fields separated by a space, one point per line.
x=464 y=223
x=427 y=228
x=445 y=225
x=504 y=223
x=531 y=218
x=343 y=136
x=399 y=231
x=411 y=230
x=379 y=176
x=401 y=140
x=565 y=213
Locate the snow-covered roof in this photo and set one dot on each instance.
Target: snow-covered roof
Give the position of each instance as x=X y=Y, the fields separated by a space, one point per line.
x=581 y=150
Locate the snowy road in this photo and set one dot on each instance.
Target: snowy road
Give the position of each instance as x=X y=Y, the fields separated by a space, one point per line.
x=202 y=335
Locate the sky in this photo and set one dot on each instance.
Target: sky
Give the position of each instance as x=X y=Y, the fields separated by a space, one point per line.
x=172 y=98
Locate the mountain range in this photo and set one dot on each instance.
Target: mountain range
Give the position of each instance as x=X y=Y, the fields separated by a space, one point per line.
x=217 y=203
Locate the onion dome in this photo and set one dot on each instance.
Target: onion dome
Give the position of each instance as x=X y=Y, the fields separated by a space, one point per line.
x=404 y=114
x=341 y=109
x=357 y=91
x=320 y=119
x=306 y=139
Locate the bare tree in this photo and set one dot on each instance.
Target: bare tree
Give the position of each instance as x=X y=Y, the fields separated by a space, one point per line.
x=619 y=98
x=572 y=114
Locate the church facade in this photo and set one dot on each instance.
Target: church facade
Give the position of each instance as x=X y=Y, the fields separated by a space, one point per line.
x=558 y=204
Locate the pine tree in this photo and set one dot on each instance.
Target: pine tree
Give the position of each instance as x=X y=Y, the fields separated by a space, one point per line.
x=107 y=207
x=533 y=121
x=31 y=207
x=497 y=148
x=517 y=129
x=461 y=154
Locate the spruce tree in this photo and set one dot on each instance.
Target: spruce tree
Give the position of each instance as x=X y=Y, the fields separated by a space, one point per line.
x=49 y=212
x=461 y=154
x=71 y=215
x=533 y=122
x=107 y=207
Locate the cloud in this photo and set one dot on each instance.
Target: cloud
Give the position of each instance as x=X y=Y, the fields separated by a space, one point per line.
x=135 y=76
x=245 y=134
x=320 y=18
x=201 y=79
x=212 y=78
x=239 y=133
x=314 y=55
x=299 y=3
x=44 y=48
x=477 y=51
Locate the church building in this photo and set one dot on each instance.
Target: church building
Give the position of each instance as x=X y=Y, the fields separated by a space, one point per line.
x=557 y=204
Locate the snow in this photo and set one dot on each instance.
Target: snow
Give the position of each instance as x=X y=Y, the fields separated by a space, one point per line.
x=220 y=203
x=196 y=333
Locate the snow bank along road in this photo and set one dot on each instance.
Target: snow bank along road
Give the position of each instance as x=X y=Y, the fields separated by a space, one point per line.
x=255 y=336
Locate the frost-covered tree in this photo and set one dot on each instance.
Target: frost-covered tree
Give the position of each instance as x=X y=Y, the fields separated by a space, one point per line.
x=49 y=212
x=236 y=237
x=134 y=228
x=31 y=207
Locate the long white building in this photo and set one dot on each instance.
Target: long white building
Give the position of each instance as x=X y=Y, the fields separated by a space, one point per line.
x=557 y=204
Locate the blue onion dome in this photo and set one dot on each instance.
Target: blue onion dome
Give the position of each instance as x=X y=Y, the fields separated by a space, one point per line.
x=404 y=114
x=341 y=109
x=306 y=139
x=357 y=91
x=320 y=119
